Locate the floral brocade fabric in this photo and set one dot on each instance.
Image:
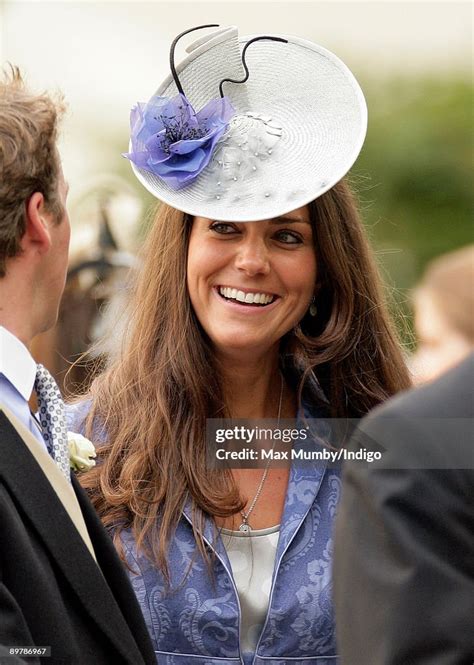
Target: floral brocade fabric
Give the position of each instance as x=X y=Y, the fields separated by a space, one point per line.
x=199 y=623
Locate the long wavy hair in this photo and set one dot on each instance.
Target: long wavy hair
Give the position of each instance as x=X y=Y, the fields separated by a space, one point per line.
x=156 y=393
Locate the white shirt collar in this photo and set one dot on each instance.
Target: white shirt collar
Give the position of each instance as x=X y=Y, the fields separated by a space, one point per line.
x=17 y=363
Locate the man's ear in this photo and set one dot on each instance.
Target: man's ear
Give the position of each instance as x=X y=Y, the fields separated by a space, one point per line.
x=37 y=235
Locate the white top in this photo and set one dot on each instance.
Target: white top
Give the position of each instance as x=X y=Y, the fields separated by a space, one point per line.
x=17 y=379
x=252 y=557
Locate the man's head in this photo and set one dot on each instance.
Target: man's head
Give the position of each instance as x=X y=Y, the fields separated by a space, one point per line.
x=34 y=226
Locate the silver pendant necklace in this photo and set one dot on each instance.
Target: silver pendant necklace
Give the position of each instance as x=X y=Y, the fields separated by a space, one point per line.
x=245 y=526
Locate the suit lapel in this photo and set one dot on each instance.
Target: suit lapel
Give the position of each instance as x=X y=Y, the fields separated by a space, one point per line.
x=21 y=473
x=116 y=576
x=57 y=480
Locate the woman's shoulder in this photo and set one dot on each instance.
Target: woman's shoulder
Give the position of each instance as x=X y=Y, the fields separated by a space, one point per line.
x=76 y=418
x=76 y=414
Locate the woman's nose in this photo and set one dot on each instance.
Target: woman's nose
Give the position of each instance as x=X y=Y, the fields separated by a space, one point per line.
x=252 y=257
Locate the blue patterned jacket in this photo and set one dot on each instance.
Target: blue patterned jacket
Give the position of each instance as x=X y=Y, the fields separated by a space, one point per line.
x=199 y=623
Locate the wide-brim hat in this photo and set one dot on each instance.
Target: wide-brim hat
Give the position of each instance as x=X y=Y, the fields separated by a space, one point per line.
x=297 y=126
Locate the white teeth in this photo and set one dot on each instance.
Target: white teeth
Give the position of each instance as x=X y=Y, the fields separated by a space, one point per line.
x=247 y=298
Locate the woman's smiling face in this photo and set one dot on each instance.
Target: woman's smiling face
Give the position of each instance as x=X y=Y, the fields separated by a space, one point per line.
x=251 y=282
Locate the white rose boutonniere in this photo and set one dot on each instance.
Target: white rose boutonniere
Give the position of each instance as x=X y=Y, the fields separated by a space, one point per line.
x=81 y=452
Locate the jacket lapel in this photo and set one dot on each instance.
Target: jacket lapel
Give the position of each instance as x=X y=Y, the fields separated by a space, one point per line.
x=57 y=480
x=21 y=473
x=210 y=534
x=116 y=577
x=303 y=486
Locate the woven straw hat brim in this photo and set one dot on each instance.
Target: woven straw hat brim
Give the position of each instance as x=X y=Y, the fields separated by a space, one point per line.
x=300 y=123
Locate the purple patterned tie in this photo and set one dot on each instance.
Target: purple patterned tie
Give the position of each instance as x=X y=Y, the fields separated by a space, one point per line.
x=52 y=419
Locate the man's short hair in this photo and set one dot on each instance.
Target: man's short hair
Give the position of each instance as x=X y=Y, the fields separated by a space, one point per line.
x=29 y=161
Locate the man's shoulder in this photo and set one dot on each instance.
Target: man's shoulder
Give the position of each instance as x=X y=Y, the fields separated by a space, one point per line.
x=452 y=395
x=428 y=427
x=10 y=425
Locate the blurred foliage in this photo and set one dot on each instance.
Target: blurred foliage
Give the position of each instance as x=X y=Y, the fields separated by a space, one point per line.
x=413 y=177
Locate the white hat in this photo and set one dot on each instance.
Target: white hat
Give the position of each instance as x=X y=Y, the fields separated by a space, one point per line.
x=293 y=130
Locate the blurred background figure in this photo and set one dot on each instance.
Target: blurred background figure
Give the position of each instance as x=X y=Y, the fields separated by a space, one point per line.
x=444 y=314
x=106 y=218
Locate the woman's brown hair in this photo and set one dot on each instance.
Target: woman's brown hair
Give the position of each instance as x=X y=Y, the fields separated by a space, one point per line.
x=156 y=394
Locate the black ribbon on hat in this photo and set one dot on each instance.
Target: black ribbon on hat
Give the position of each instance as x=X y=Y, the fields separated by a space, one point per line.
x=247 y=74
x=172 y=49
x=244 y=63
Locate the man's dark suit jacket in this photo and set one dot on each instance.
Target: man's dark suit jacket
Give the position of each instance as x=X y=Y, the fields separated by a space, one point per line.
x=52 y=592
x=404 y=550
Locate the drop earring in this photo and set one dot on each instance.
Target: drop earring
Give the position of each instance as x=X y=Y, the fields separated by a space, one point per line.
x=313 y=310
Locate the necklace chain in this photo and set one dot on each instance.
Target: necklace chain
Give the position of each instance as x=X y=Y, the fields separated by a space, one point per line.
x=245 y=526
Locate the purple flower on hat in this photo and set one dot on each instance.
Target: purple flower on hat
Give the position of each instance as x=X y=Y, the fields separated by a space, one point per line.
x=174 y=142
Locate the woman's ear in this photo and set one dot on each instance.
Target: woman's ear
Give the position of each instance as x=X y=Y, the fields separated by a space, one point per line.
x=38 y=220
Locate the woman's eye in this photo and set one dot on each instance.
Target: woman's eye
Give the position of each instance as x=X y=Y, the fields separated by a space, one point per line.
x=222 y=228
x=289 y=238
